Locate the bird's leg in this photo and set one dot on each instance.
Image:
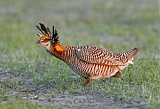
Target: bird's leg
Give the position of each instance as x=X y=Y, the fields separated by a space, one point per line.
x=86 y=81
x=91 y=79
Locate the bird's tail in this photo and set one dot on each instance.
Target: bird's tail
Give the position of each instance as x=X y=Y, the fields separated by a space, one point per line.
x=131 y=53
x=128 y=55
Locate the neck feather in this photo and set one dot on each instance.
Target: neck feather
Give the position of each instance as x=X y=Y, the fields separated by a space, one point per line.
x=57 y=50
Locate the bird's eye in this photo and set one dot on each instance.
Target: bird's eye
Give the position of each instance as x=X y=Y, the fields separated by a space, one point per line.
x=45 y=40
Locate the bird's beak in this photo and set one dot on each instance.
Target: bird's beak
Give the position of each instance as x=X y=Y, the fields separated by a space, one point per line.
x=38 y=42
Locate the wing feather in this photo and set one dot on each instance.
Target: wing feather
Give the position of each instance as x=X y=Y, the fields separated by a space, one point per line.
x=96 y=55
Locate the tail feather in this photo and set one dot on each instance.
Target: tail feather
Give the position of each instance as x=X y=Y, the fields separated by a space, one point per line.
x=132 y=53
x=128 y=55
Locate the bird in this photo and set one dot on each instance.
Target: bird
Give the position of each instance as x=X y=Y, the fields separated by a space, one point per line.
x=91 y=62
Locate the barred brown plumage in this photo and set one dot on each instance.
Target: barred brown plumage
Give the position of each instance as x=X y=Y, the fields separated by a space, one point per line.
x=90 y=62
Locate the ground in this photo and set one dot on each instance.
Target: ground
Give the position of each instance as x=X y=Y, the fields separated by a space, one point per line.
x=32 y=78
x=44 y=96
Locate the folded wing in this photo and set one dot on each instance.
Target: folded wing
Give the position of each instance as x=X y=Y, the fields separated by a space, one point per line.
x=96 y=55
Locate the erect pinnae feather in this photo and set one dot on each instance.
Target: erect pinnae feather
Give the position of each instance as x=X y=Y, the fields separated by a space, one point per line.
x=43 y=28
x=40 y=30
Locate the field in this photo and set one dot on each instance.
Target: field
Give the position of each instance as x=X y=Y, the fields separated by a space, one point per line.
x=30 y=78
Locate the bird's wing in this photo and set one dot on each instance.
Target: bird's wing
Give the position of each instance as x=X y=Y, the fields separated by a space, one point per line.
x=96 y=55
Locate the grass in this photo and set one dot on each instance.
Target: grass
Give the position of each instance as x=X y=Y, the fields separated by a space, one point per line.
x=115 y=25
x=17 y=104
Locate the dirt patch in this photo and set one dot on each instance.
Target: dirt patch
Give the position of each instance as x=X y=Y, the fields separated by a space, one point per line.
x=68 y=100
x=27 y=90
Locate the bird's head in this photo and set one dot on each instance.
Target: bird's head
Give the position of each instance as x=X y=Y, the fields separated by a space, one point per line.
x=44 y=41
x=48 y=38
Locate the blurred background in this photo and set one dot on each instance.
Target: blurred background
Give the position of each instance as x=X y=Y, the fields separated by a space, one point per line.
x=117 y=25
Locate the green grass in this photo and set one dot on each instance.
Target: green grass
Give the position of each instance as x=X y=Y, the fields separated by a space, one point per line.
x=117 y=25
x=18 y=104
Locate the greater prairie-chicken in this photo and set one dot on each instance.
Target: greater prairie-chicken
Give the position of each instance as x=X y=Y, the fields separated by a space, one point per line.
x=90 y=62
